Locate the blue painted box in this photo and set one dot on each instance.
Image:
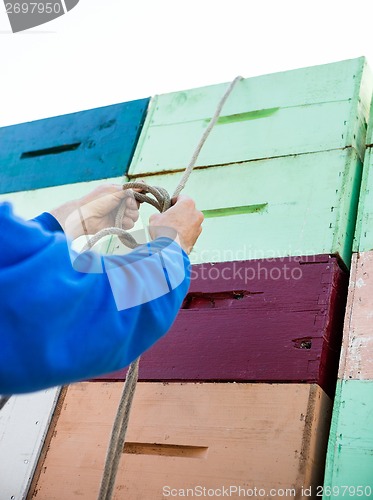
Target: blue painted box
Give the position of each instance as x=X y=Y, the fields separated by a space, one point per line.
x=78 y=147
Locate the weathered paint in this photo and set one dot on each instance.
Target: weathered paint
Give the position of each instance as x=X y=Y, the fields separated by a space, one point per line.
x=350 y=449
x=78 y=147
x=278 y=320
x=183 y=435
x=357 y=349
x=300 y=111
x=309 y=206
x=24 y=422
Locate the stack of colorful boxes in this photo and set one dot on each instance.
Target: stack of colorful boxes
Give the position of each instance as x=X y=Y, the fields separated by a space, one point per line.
x=349 y=471
x=239 y=393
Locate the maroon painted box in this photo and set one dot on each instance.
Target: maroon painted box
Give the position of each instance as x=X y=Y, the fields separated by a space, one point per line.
x=273 y=320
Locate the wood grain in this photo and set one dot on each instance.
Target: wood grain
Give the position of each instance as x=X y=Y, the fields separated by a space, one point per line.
x=283 y=324
x=300 y=111
x=79 y=147
x=254 y=435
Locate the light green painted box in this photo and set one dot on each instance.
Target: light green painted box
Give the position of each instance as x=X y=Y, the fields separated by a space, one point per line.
x=364 y=226
x=350 y=451
x=287 y=206
x=301 y=111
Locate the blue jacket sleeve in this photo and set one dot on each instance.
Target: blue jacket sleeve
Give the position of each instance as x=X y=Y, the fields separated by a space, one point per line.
x=66 y=317
x=48 y=222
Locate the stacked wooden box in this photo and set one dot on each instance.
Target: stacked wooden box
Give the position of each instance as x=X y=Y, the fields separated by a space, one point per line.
x=349 y=469
x=239 y=393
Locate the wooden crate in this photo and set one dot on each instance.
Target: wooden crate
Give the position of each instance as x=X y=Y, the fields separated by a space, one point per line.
x=79 y=147
x=184 y=435
x=301 y=111
x=350 y=449
x=297 y=205
x=278 y=320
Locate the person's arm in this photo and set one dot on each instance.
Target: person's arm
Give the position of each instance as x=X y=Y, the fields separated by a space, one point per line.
x=59 y=324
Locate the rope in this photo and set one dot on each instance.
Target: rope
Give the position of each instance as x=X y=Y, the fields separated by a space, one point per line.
x=213 y=121
x=161 y=201
x=118 y=433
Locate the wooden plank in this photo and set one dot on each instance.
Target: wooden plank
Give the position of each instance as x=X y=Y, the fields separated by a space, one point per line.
x=357 y=349
x=364 y=233
x=278 y=320
x=298 y=205
x=300 y=111
x=183 y=435
x=24 y=422
x=84 y=146
x=350 y=450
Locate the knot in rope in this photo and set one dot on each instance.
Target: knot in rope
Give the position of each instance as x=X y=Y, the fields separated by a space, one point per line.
x=161 y=201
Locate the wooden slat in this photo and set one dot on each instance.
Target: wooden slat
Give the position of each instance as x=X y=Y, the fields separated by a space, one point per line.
x=183 y=435
x=300 y=111
x=79 y=147
x=364 y=232
x=278 y=320
x=298 y=205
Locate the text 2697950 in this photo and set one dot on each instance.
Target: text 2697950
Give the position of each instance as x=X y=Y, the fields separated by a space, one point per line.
x=34 y=8
x=344 y=491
